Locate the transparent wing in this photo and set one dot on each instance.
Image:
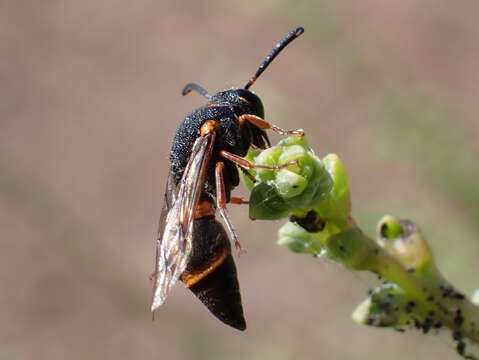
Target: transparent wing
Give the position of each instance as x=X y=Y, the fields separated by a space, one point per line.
x=169 y=199
x=176 y=221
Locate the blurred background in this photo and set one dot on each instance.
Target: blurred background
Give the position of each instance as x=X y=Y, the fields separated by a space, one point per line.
x=89 y=100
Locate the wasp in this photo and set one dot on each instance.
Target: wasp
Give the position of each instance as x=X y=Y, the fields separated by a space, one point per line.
x=207 y=150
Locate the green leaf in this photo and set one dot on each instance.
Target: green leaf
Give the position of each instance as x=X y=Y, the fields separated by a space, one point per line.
x=265 y=203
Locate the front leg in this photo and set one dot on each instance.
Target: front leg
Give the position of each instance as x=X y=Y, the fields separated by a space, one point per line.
x=264 y=125
x=238 y=160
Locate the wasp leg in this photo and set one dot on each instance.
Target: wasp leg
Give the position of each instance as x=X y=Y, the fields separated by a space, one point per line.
x=221 y=205
x=249 y=165
x=238 y=201
x=263 y=124
x=249 y=175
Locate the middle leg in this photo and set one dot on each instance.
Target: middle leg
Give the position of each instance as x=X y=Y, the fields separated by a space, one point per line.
x=221 y=205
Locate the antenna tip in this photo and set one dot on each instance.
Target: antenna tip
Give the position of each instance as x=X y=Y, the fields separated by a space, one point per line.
x=298 y=31
x=185 y=90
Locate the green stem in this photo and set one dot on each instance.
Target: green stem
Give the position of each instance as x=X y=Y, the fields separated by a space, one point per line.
x=315 y=193
x=457 y=313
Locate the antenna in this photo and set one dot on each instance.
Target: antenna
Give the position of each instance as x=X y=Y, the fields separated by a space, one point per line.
x=276 y=50
x=199 y=89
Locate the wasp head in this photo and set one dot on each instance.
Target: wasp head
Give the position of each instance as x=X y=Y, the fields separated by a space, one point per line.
x=245 y=102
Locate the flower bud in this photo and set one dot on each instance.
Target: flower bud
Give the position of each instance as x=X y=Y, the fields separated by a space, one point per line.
x=299 y=187
x=403 y=240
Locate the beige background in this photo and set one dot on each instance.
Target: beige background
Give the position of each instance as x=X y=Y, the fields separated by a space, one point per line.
x=89 y=100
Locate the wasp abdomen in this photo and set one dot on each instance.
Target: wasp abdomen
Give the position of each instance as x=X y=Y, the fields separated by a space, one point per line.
x=211 y=272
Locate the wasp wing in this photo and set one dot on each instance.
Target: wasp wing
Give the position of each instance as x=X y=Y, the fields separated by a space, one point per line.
x=169 y=199
x=176 y=221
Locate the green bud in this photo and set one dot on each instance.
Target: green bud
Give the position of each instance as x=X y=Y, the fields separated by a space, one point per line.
x=475 y=297
x=390 y=228
x=381 y=307
x=317 y=189
x=389 y=306
x=296 y=188
x=289 y=184
x=403 y=240
x=298 y=240
x=337 y=205
x=268 y=157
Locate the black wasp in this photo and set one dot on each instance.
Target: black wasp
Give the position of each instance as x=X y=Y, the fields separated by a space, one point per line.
x=207 y=147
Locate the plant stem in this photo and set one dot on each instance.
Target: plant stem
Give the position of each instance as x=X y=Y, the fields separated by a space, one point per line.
x=457 y=313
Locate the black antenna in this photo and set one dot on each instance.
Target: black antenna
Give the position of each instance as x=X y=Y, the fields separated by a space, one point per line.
x=276 y=50
x=199 y=89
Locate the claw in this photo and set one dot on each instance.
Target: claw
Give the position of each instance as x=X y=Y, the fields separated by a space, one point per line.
x=239 y=249
x=152 y=275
